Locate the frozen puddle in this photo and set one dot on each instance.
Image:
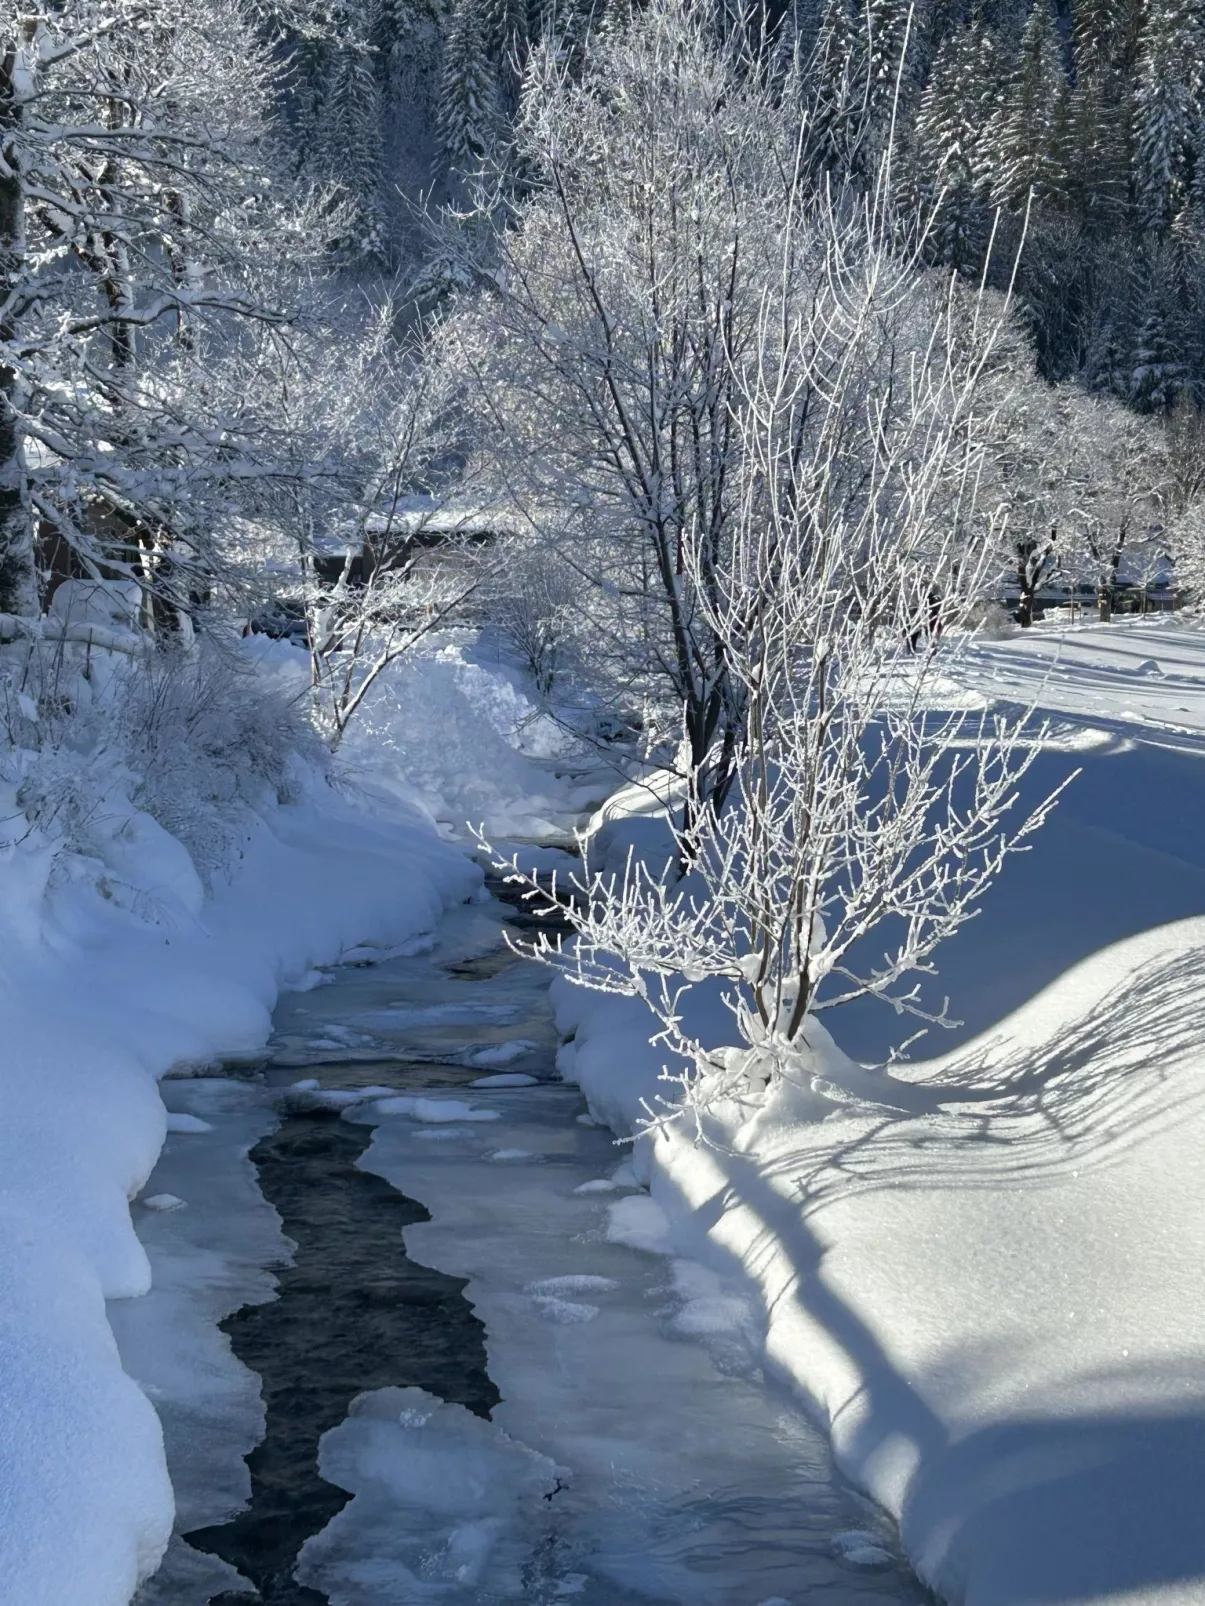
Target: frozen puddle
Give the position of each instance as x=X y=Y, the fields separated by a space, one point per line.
x=634 y=1455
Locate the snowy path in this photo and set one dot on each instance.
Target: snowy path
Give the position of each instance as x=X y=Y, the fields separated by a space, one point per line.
x=636 y=1455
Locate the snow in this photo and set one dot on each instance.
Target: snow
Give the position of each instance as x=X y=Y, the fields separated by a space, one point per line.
x=118 y=962
x=984 y=1270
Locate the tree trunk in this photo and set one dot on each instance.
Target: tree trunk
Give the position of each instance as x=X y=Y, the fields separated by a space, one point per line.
x=18 y=580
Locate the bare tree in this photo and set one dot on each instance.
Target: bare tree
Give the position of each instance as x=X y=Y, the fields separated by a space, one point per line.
x=141 y=223
x=626 y=298
x=866 y=816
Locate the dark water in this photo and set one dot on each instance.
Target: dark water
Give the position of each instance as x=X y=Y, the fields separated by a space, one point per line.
x=354 y=1313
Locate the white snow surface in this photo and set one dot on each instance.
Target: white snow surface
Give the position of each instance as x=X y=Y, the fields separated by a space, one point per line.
x=985 y=1270
x=116 y=965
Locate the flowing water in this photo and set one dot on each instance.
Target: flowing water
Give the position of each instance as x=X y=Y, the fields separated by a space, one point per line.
x=474 y=1393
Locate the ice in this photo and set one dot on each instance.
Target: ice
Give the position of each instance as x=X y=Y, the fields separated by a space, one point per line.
x=206 y=1261
x=178 y=1121
x=162 y=1201
x=564 y=1310
x=682 y=1481
x=446 y=1507
x=505 y=1078
x=574 y=1283
x=512 y=1154
x=433 y=1109
x=502 y=1054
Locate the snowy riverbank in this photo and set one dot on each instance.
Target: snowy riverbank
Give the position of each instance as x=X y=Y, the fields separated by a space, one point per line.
x=984 y=1270
x=117 y=964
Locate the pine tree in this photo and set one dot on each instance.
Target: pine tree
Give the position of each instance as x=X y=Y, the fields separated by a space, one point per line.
x=468 y=110
x=944 y=158
x=1023 y=145
x=1169 y=121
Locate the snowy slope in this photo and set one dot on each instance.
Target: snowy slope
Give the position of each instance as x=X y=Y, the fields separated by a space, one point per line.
x=110 y=973
x=986 y=1270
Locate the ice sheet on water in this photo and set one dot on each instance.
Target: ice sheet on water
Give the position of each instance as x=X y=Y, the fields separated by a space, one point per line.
x=506 y=1078
x=690 y=1485
x=447 y=1507
x=207 y=1261
x=502 y=1054
x=434 y=1110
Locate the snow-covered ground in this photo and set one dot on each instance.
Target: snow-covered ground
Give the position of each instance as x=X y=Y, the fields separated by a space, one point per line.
x=986 y=1269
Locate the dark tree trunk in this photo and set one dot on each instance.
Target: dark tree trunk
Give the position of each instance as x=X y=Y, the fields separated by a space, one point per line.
x=18 y=587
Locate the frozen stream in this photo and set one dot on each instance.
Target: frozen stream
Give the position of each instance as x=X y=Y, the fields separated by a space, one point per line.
x=520 y=1404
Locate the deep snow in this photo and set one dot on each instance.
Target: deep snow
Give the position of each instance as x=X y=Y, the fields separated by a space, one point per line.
x=986 y=1270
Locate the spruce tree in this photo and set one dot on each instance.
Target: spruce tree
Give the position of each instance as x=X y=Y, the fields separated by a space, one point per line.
x=468 y=109
x=836 y=111
x=1168 y=113
x=1023 y=143
x=944 y=158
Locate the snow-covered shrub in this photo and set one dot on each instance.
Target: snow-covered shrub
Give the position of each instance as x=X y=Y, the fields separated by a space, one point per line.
x=193 y=738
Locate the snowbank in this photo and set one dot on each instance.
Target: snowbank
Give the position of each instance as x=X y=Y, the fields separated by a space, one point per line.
x=115 y=965
x=986 y=1271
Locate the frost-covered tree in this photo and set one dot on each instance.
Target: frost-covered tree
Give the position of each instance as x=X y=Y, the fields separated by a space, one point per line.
x=859 y=825
x=140 y=233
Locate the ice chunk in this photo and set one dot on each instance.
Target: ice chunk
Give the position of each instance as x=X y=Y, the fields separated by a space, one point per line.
x=177 y=1121
x=164 y=1201
x=577 y=1283
x=447 y=1506
x=506 y=1079
x=502 y=1054
x=564 y=1312
x=434 y=1110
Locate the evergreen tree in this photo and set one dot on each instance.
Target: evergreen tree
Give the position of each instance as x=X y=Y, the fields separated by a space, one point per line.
x=945 y=158
x=836 y=115
x=1168 y=114
x=468 y=109
x=1157 y=374
x=1024 y=145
